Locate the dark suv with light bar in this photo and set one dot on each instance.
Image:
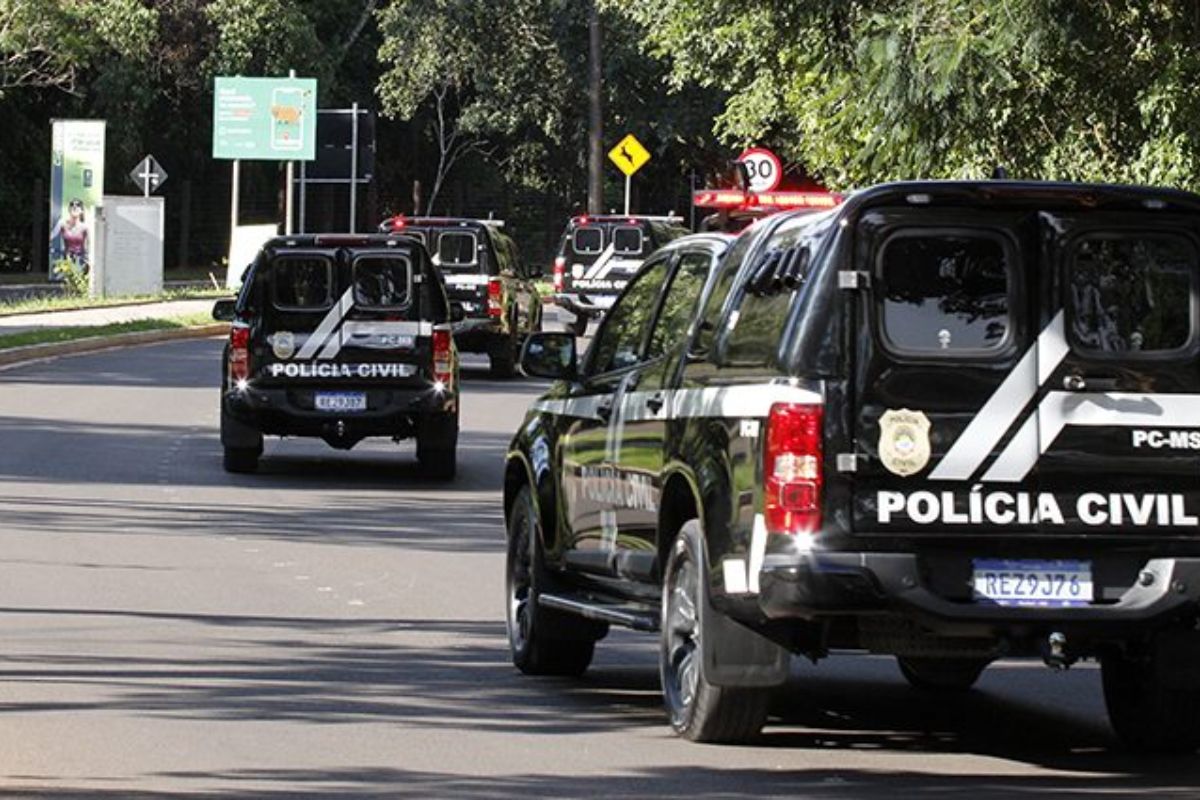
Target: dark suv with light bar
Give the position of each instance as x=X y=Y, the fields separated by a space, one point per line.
x=340 y=337
x=950 y=422
x=484 y=272
x=598 y=254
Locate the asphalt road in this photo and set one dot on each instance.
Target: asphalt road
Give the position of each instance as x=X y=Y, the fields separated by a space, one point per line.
x=333 y=627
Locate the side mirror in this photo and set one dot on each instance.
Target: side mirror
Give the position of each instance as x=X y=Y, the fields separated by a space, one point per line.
x=224 y=310
x=457 y=312
x=549 y=355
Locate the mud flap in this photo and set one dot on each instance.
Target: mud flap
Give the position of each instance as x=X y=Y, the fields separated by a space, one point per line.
x=734 y=655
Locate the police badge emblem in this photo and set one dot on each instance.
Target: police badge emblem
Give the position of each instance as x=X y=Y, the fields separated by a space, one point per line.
x=904 y=441
x=283 y=344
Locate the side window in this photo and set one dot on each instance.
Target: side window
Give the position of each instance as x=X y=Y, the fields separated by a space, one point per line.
x=946 y=292
x=627 y=240
x=1132 y=293
x=763 y=311
x=714 y=303
x=679 y=304
x=618 y=345
x=302 y=282
x=587 y=240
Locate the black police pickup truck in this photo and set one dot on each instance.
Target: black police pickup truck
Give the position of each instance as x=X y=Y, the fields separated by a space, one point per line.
x=598 y=254
x=340 y=337
x=484 y=272
x=951 y=422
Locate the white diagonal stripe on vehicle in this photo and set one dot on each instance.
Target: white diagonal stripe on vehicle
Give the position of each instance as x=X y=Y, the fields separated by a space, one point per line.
x=327 y=325
x=600 y=262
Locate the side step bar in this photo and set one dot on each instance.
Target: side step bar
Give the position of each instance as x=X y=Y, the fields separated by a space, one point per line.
x=625 y=616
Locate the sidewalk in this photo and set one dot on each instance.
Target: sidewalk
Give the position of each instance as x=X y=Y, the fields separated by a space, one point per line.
x=20 y=323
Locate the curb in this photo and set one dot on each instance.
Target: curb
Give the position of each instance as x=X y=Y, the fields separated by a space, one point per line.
x=37 y=352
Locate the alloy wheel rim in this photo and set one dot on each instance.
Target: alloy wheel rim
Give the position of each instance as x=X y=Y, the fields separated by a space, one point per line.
x=682 y=635
x=520 y=584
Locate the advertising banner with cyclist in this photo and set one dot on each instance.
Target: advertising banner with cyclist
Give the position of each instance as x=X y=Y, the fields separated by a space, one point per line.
x=76 y=188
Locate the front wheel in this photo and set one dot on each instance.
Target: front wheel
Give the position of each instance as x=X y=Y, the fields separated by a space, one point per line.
x=699 y=710
x=1153 y=695
x=543 y=641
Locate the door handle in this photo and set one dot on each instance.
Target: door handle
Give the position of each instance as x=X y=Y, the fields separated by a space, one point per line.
x=655 y=402
x=1074 y=383
x=604 y=410
x=1077 y=383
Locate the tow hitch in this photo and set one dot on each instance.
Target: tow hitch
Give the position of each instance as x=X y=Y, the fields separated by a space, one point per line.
x=1055 y=652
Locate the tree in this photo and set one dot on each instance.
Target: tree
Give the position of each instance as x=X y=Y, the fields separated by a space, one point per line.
x=869 y=90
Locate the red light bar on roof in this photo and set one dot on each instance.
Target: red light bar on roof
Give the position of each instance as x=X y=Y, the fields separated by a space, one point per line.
x=734 y=198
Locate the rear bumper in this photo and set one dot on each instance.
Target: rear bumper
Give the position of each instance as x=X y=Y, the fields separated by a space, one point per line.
x=819 y=585
x=289 y=411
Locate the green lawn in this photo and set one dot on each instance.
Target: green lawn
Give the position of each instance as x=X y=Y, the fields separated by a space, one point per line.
x=70 y=303
x=51 y=335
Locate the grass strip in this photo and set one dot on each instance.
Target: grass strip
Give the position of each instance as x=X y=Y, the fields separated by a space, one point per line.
x=36 y=305
x=54 y=335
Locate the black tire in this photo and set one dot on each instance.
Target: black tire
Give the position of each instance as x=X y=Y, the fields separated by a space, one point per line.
x=1148 y=716
x=947 y=675
x=543 y=641
x=241 y=460
x=697 y=709
x=437 y=448
x=502 y=357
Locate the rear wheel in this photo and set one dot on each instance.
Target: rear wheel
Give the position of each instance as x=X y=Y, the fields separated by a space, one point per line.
x=503 y=356
x=437 y=447
x=941 y=674
x=543 y=641
x=1153 y=696
x=699 y=710
x=241 y=459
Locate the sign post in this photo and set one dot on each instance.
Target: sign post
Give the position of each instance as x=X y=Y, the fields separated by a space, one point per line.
x=629 y=155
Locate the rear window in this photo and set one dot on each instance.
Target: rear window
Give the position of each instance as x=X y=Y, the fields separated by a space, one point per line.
x=1132 y=293
x=627 y=240
x=457 y=249
x=381 y=281
x=946 y=292
x=587 y=240
x=302 y=282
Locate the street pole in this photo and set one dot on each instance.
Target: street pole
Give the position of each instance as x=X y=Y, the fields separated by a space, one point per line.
x=233 y=202
x=354 y=168
x=303 y=194
x=595 y=200
x=628 y=181
x=290 y=191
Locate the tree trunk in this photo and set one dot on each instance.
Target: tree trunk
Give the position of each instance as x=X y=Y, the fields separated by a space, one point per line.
x=595 y=114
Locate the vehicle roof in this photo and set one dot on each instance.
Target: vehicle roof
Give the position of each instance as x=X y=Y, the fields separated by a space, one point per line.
x=587 y=219
x=445 y=222
x=1005 y=193
x=334 y=241
x=713 y=237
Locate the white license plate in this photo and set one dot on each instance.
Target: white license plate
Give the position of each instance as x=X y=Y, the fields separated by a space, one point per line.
x=341 y=401
x=1009 y=582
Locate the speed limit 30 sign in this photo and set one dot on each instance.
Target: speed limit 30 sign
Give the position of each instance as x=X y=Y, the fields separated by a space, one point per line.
x=763 y=167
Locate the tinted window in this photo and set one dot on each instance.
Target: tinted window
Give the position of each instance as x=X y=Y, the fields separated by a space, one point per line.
x=618 y=344
x=302 y=281
x=1132 y=293
x=381 y=281
x=679 y=306
x=456 y=249
x=588 y=240
x=715 y=302
x=762 y=313
x=945 y=291
x=627 y=240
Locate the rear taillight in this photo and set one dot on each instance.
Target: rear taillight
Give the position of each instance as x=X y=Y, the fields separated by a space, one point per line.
x=495 y=298
x=443 y=358
x=239 y=353
x=560 y=267
x=792 y=469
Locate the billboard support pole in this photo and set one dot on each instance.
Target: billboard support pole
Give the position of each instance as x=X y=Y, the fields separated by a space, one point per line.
x=303 y=195
x=234 y=194
x=354 y=167
x=290 y=191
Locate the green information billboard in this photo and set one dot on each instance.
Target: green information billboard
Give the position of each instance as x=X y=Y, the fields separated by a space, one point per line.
x=265 y=119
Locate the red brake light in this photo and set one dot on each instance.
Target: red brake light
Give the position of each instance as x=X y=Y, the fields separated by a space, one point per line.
x=792 y=469
x=560 y=268
x=495 y=298
x=239 y=353
x=443 y=357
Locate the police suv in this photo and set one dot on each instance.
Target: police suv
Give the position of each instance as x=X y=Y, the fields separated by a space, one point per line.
x=951 y=422
x=598 y=254
x=483 y=272
x=340 y=337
